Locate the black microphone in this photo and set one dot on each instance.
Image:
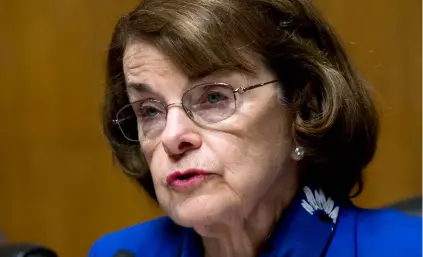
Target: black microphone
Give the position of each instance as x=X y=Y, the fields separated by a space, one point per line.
x=124 y=253
x=25 y=250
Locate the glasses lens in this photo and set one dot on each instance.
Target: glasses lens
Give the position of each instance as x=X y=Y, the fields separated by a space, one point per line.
x=145 y=117
x=151 y=116
x=210 y=103
x=127 y=122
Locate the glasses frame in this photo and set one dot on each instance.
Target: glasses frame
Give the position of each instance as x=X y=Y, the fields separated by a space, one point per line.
x=239 y=90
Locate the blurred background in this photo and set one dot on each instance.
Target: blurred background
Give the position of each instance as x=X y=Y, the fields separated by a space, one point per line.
x=58 y=184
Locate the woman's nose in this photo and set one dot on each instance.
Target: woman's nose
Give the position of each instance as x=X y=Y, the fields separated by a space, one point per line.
x=180 y=134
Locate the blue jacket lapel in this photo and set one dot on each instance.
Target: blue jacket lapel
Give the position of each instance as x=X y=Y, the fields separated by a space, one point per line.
x=306 y=229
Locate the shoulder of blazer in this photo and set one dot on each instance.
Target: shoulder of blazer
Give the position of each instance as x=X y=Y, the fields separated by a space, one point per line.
x=152 y=238
x=388 y=233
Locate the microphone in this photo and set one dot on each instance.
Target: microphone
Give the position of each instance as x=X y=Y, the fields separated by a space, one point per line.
x=123 y=253
x=25 y=250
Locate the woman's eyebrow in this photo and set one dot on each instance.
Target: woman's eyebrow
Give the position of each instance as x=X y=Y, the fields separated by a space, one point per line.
x=140 y=87
x=217 y=76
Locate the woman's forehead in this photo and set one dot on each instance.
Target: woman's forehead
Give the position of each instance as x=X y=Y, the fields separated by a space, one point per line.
x=145 y=64
x=143 y=52
x=142 y=57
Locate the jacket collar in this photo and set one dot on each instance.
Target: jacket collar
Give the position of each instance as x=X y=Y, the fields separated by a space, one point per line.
x=307 y=227
x=305 y=230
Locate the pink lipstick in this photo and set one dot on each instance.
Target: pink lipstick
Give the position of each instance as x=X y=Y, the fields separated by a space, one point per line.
x=186 y=179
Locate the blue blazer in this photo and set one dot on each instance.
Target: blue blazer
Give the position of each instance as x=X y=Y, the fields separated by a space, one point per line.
x=313 y=226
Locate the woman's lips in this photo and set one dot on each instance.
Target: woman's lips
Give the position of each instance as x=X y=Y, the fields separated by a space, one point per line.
x=186 y=179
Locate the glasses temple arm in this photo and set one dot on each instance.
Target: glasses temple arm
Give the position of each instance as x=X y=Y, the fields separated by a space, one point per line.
x=117 y=121
x=243 y=89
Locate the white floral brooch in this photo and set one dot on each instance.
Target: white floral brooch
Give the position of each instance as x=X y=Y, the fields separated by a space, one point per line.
x=317 y=203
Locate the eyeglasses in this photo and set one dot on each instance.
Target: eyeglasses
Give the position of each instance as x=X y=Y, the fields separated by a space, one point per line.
x=204 y=104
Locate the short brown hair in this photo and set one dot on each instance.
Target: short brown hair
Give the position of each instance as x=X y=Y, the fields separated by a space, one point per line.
x=334 y=117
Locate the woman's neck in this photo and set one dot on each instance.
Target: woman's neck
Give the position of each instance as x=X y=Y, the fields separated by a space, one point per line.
x=245 y=237
x=245 y=240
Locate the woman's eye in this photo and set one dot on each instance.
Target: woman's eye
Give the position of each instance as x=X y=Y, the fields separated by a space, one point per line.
x=149 y=112
x=215 y=97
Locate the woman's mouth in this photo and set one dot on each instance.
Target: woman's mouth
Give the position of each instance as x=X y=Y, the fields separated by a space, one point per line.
x=186 y=179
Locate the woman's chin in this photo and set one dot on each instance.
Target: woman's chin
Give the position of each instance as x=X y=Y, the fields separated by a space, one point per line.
x=201 y=212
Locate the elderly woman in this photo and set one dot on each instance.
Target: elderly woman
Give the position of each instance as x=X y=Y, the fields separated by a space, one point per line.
x=248 y=124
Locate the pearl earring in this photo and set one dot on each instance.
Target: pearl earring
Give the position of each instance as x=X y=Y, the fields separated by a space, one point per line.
x=299 y=152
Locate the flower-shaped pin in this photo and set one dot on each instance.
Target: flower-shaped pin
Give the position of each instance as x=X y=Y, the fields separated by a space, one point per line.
x=317 y=203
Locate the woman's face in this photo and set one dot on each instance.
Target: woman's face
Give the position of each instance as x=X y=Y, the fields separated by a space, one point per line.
x=233 y=164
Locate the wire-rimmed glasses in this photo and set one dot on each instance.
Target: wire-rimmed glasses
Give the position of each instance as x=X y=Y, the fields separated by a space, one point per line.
x=204 y=104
